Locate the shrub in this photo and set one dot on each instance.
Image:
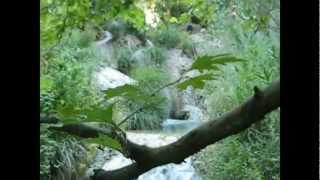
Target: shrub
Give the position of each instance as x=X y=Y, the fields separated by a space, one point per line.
x=186 y=44
x=156 y=55
x=234 y=158
x=82 y=39
x=254 y=153
x=150 y=79
x=70 y=71
x=129 y=59
x=168 y=37
x=60 y=156
x=124 y=56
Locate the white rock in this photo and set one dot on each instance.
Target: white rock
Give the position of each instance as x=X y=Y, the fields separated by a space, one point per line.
x=110 y=78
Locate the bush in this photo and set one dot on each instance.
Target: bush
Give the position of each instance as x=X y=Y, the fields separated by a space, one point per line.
x=124 y=60
x=186 y=44
x=150 y=79
x=254 y=153
x=128 y=59
x=235 y=158
x=156 y=55
x=60 y=156
x=82 y=39
x=168 y=37
x=70 y=71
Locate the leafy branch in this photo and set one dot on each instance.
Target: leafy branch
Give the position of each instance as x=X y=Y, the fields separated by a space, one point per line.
x=202 y=63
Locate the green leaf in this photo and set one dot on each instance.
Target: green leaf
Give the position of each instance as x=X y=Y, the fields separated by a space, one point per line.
x=95 y=114
x=121 y=91
x=105 y=141
x=211 y=62
x=173 y=20
x=68 y=114
x=98 y=114
x=45 y=84
x=197 y=82
x=128 y=91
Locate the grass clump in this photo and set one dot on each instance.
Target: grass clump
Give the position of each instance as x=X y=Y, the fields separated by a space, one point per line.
x=150 y=79
x=168 y=37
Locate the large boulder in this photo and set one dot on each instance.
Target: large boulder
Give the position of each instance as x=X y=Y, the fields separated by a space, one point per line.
x=110 y=78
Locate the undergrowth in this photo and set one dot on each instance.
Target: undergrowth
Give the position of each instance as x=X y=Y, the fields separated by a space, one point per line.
x=151 y=117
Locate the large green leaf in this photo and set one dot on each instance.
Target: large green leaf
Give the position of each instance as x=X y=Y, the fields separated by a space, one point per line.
x=95 y=114
x=121 y=91
x=105 y=141
x=197 y=82
x=128 y=91
x=98 y=114
x=69 y=114
x=211 y=62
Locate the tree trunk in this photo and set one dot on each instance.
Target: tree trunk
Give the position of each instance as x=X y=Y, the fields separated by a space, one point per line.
x=233 y=122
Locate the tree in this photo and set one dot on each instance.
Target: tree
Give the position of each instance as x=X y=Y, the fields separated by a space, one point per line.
x=233 y=122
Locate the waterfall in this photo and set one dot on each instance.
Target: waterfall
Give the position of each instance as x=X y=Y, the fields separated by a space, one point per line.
x=107 y=38
x=167 y=94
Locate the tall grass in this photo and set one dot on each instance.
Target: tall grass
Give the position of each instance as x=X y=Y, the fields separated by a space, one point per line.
x=150 y=79
x=254 y=153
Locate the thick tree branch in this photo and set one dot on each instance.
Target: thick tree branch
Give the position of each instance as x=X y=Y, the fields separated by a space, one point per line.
x=93 y=130
x=233 y=122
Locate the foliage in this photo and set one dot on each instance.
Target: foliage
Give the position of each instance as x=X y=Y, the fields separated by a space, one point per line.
x=210 y=62
x=167 y=37
x=149 y=56
x=186 y=44
x=257 y=158
x=60 y=16
x=47 y=102
x=183 y=11
x=207 y=63
x=82 y=39
x=70 y=115
x=68 y=60
x=195 y=82
x=59 y=155
x=124 y=60
x=156 y=55
x=105 y=141
x=254 y=153
x=150 y=79
x=69 y=74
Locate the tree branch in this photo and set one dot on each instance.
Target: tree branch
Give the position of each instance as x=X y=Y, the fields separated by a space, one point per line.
x=233 y=122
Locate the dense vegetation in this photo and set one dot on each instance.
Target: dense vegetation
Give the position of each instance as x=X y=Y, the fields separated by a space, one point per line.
x=248 y=30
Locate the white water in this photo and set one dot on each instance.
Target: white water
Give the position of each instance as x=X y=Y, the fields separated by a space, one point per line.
x=107 y=38
x=111 y=78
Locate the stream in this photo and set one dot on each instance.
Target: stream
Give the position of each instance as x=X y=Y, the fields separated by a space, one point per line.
x=172 y=129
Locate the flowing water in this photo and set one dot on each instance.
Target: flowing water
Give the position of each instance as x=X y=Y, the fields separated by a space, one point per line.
x=172 y=130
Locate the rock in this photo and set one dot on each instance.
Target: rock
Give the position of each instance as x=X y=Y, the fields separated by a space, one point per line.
x=110 y=78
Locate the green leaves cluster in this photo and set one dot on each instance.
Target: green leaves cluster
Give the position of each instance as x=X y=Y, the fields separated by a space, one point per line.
x=105 y=141
x=211 y=65
x=57 y=17
x=211 y=62
x=71 y=115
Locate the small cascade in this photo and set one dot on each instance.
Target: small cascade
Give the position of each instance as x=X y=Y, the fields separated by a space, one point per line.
x=107 y=38
x=184 y=126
